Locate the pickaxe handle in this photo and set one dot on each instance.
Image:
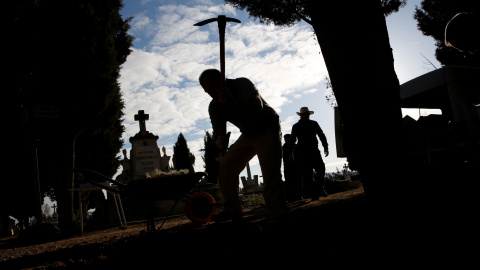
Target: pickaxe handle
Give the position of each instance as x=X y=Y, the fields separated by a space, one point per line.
x=222 y=23
x=221 y=32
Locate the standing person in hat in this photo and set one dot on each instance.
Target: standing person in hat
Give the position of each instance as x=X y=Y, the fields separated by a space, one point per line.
x=241 y=104
x=307 y=153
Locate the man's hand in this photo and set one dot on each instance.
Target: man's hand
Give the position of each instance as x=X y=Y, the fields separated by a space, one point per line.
x=222 y=142
x=326 y=152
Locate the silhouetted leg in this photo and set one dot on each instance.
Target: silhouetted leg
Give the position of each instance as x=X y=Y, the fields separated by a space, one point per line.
x=307 y=179
x=233 y=163
x=268 y=147
x=319 y=167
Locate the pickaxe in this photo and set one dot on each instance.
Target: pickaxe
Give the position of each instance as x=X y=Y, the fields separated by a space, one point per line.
x=222 y=23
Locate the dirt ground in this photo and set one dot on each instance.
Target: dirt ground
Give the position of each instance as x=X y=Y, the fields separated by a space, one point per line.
x=336 y=229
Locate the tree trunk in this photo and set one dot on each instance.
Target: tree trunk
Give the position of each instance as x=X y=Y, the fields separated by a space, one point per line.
x=66 y=152
x=354 y=42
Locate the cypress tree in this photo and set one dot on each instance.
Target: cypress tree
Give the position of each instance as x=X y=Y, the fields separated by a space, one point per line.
x=211 y=165
x=182 y=157
x=64 y=59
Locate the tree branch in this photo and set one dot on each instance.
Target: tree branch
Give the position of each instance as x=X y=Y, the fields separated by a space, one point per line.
x=303 y=17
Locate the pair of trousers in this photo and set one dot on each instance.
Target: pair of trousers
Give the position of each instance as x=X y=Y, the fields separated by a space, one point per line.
x=311 y=162
x=267 y=146
x=293 y=181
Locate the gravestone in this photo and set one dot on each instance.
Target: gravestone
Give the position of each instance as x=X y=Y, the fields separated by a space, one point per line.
x=145 y=155
x=144 y=158
x=250 y=184
x=54 y=215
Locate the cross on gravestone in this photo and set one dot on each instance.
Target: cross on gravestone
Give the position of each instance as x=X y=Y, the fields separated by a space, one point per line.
x=141 y=117
x=54 y=207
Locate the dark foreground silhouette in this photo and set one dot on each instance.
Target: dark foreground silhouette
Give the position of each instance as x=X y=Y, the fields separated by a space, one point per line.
x=336 y=230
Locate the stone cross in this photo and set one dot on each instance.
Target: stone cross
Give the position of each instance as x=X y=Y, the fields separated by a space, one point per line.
x=54 y=208
x=141 y=117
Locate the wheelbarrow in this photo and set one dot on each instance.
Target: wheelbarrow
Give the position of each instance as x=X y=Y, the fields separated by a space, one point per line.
x=200 y=206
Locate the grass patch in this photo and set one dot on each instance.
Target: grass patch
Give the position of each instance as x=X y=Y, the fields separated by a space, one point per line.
x=252 y=199
x=332 y=186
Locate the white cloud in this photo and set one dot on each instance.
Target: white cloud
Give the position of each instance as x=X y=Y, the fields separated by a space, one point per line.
x=288 y=123
x=142 y=23
x=161 y=77
x=284 y=63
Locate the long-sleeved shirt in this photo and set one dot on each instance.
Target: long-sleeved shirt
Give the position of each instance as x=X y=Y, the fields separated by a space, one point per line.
x=306 y=132
x=245 y=111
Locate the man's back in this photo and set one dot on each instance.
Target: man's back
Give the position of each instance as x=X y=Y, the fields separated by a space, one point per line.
x=305 y=131
x=249 y=121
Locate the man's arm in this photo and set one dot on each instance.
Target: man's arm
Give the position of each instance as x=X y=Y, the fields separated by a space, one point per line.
x=219 y=125
x=323 y=138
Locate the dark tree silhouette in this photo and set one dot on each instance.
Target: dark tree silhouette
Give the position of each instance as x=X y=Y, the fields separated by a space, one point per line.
x=182 y=157
x=64 y=61
x=432 y=17
x=354 y=41
x=211 y=165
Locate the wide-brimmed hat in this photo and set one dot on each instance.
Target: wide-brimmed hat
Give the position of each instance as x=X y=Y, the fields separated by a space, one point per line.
x=304 y=110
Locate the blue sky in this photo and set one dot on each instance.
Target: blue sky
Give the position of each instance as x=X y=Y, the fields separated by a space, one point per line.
x=161 y=74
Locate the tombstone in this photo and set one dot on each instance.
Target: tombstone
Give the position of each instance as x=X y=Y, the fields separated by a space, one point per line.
x=144 y=158
x=54 y=215
x=145 y=155
x=346 y=173
x=250 y=184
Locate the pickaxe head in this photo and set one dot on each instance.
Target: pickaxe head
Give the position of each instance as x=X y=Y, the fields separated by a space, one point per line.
x=222 y=23
x=221 y=19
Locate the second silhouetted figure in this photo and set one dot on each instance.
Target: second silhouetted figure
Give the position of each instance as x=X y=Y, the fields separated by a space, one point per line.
x=307 y=153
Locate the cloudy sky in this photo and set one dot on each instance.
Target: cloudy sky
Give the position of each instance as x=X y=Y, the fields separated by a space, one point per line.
x=161 y=74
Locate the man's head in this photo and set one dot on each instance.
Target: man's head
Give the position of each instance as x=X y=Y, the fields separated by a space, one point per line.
x=304 y=113
x=287 y=137
x=210 y=80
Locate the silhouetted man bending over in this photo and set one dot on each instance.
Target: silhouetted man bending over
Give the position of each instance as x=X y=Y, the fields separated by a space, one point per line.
x=241 y=104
